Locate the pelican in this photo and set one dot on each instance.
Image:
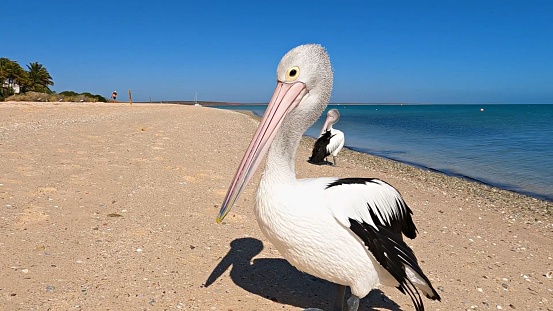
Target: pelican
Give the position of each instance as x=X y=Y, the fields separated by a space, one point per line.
x=344 y=230
x=330 y=142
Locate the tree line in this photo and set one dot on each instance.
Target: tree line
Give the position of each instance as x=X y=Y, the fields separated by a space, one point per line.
x=36 y=78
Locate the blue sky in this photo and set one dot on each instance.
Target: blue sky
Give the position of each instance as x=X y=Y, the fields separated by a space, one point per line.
x=381 y=51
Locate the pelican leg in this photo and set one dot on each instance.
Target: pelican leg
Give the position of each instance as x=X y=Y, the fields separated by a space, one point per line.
x=334 y=159
x=340 y=303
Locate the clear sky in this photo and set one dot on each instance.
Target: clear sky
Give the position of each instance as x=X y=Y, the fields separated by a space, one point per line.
x=382 y=51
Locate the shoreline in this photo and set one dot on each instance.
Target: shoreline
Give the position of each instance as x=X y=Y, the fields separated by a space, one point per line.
x=112 y=206
x=461 y=176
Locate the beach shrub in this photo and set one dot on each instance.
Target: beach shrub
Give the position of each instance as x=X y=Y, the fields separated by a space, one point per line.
x=55 y=98
x=29 y=97
x=65 y=96
x=100 y=98
x=68 y=93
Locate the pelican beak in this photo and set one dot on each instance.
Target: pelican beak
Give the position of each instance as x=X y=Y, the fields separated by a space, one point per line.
x=285 y=98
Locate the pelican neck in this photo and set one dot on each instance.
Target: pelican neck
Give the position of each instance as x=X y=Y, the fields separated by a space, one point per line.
x=280 y=166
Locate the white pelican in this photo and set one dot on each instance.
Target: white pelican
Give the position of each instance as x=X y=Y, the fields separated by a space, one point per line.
x=347 y=231
x=330 y=142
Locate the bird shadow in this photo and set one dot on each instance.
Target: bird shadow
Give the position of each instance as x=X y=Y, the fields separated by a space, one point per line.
x=277 y=280
x=321 y=163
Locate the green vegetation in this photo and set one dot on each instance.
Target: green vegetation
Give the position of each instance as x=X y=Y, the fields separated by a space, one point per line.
x=65 y=96
x=38 y=78
x=18 y=84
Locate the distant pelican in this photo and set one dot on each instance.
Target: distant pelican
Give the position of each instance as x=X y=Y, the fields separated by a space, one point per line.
x=330 y=142
x=344 y=230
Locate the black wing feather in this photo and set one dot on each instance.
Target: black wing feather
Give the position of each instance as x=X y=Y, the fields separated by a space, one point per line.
x=319 y=153
x=385 y=241
x=393 y=254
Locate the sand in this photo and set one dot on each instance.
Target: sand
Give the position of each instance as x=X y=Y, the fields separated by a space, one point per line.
x=112 y=207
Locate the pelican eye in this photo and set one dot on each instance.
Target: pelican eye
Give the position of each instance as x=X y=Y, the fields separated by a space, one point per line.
x=293 y=73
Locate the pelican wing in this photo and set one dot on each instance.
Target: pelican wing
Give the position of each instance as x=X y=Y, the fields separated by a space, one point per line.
x=375 y=212
x=371 y=201
x=336 y=142
x=320 y=152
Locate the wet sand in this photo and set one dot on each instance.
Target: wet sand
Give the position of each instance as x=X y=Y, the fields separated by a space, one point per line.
x=111 y=207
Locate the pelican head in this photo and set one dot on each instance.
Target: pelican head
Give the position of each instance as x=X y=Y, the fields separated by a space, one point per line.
x=304 y=84
x=332 y=116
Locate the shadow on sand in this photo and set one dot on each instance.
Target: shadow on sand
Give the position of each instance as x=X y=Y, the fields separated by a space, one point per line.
x=325 y=162
x=277 y=280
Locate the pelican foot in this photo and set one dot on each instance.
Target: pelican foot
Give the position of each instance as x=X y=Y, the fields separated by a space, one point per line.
x=353 y=303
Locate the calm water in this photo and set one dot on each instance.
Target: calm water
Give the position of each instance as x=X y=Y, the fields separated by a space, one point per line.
x=508 y=146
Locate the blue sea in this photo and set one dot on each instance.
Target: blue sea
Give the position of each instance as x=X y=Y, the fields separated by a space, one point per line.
x=507 y=146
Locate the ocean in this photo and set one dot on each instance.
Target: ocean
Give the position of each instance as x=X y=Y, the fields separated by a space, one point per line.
x=507 y=146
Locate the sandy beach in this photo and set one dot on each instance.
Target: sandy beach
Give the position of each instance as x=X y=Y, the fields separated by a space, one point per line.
x=113 y=207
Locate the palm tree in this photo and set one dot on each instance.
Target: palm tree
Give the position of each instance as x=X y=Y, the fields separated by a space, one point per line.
x=38 y=78
x=11 y=76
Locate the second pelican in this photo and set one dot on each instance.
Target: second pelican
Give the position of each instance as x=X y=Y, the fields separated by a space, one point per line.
x=330 y=142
